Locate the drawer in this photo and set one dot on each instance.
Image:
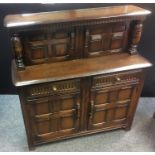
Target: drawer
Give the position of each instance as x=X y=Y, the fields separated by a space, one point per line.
x=53 y=88
x=116 y=78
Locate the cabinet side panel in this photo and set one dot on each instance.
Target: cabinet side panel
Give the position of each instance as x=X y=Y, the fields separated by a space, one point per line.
x=26 y=118
x=138 y=91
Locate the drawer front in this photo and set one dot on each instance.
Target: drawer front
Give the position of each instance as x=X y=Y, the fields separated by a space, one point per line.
x=53 y=88
x=116 y=78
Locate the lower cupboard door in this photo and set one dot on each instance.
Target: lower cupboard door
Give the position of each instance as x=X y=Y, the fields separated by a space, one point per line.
x=54 y=118
x=111 y=107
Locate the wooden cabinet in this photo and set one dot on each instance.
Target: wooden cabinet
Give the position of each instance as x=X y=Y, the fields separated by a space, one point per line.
x=78 y=72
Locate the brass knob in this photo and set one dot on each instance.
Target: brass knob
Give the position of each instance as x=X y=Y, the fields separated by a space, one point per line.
x=54 y=88
x=118 y=79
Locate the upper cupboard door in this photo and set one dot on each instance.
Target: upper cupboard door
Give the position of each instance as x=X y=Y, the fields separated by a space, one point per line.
x=42 y=47
x=105 y=39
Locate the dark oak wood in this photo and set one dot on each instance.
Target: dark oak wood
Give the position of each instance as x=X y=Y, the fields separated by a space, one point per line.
x=67 y=35
x=78 y=72
x=77 y=69
x=73 y=15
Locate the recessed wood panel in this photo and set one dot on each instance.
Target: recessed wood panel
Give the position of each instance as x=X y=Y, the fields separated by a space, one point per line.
x=95 y=46
x=117 y=43
x=43 y=127
x=113 y=96
x=60 y=49
x=67 y=123
x=101 y=98
x=59 y=42
x=110 y=115
x=99 y=117
x=38 y=53
x=121 y=113
x=41 y=108
x=125 y=94
x=67 y=104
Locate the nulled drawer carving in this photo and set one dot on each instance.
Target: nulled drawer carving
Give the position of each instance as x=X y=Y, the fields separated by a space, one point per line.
x=54 y=88
x=117 y=78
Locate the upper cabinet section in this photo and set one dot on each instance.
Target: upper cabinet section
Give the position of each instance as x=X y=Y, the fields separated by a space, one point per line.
x=51 y=37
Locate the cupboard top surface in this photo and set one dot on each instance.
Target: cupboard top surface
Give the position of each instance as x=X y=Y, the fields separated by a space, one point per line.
x=18 y=20
x=77 y=68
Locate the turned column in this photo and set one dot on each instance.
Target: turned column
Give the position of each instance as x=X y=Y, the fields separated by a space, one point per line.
x=135 y=37
x=18 y=51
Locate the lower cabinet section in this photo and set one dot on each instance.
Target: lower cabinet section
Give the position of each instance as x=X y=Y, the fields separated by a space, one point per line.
x=60 y=110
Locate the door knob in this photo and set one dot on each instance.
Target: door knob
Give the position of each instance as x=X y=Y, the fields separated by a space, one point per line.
x=118 y=79
x=54 y=88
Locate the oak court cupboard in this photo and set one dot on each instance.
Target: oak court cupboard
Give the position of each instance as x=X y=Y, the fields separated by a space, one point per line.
x=78 y=72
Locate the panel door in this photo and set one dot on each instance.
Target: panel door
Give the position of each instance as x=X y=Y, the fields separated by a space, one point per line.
x=54 y=116
x=105 y=39
x=110 y=107
x=42 y=47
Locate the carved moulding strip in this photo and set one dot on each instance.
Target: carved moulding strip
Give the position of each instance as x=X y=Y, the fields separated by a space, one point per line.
x=103 y=80
x=54 y=26
x=54 y=88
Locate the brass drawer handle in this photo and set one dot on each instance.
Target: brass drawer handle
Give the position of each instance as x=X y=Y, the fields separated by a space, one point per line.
x=54 y=88
x=118 y=79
